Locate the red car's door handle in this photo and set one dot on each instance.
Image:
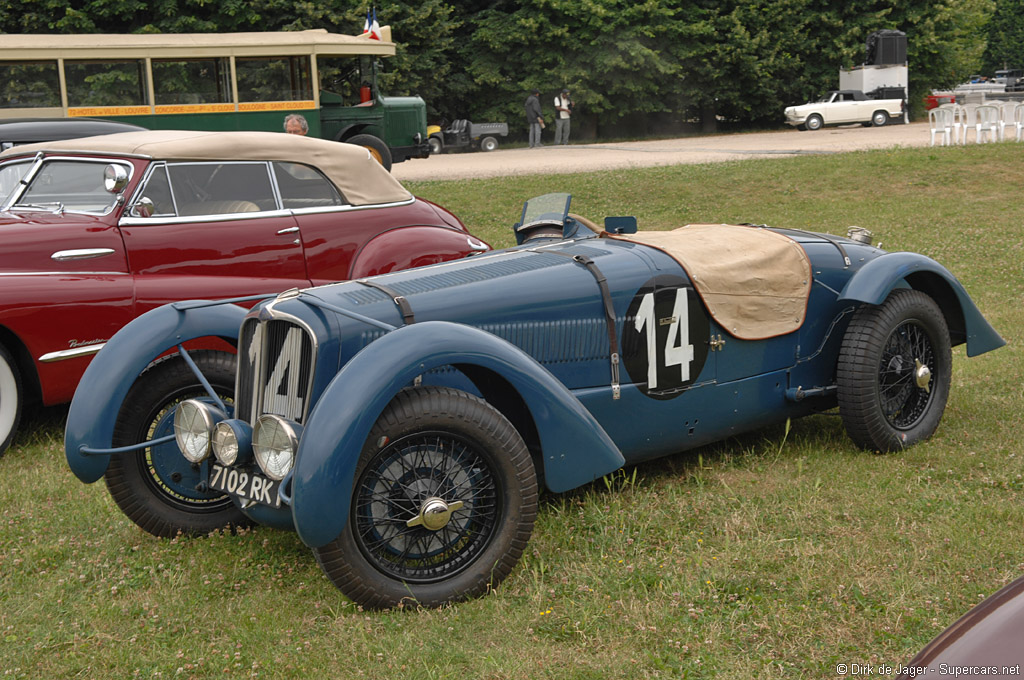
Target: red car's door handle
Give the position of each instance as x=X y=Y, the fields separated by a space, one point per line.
x=289 y=230
x=81 y=254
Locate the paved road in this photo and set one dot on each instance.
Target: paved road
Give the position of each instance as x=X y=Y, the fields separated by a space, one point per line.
x=708 y=149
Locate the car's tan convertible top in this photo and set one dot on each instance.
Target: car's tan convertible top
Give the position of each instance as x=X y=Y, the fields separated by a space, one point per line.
x=361 y=179
x=755 y=282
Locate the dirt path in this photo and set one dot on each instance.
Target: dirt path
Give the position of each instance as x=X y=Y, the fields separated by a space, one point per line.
x=710 y=149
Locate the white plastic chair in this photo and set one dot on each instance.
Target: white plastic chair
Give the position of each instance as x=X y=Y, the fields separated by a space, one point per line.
x=957 y=115
x=986 y=122
x=1018 y=119
x=940 y=120
x=967 y=119
x=1007 y=111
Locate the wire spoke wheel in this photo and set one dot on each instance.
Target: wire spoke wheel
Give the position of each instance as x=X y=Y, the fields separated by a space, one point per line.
x=904 y=384
x=157 y=488
x=443 y=503
x=420 y=478
x=894 y=371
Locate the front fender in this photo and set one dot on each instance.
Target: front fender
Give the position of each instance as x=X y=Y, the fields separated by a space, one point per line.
x=576 y=449
x=112 y=371
x=876 y=279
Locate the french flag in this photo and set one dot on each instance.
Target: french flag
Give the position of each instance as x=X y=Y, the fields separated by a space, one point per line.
x=371 y=28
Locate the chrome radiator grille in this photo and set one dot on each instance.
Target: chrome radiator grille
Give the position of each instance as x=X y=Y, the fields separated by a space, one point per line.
x=275 y=370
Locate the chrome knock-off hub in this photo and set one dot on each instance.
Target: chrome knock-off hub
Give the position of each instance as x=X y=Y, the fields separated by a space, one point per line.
x=434 y=514
x=922 y=375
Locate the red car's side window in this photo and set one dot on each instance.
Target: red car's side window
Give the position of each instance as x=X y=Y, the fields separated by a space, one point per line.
x=221 y=188
x=158 y=190
x=304 y=187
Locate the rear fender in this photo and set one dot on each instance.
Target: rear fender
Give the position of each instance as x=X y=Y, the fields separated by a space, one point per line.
x=576 y=449
x=112 y=371
x=875 y=280
x=413 y=247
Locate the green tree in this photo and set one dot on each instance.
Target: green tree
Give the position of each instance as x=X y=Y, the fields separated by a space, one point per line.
x=611 y=54
x=629 y=64
x=1005 y=47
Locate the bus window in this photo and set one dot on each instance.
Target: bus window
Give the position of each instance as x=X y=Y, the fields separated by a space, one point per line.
x=192 y=81
x=29 y=84
x=273 y=79
x=106 y=83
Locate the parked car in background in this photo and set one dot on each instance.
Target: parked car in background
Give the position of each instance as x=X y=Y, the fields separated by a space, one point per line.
x=402 y=424
x=841 y=107
x=464 y=134
x=936 y=99
x=15 y=131
x=99 y=230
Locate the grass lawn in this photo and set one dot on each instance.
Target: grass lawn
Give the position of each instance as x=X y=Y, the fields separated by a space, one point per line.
x=776 y=555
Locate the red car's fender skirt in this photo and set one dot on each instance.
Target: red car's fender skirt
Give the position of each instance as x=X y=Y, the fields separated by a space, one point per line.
x=112 y=371
x=876 y=279
x=414 y=246
x=575 y=448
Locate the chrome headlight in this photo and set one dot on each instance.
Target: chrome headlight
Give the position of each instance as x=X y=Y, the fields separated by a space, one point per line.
x=194 y=421
x=274 y=442
x=232 y=442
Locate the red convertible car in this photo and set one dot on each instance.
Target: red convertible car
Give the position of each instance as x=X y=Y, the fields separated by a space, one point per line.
x=99 y=230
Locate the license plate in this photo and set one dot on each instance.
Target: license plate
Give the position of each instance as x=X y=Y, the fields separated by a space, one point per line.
x=246 y=485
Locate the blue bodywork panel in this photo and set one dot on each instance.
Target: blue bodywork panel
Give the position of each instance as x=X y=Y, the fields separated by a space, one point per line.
x=877 y=278
x=576 y=449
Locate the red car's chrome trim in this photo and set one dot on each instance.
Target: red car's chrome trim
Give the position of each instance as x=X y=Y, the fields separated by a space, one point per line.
x=63 y=355
x=65 y=273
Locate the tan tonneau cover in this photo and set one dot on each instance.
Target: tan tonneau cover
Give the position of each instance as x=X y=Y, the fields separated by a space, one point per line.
x=755 y=282
x=362 y=180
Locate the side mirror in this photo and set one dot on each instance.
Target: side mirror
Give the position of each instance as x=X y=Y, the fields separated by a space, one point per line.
x=620 y=225
x=115 y=178
x=142 y=208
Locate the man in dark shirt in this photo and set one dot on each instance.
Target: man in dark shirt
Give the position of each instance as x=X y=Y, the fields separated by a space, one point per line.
x=534 y=118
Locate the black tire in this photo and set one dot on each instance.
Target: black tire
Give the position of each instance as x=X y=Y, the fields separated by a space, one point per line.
x=376 y=146
x=488 y=144
x=429 y=444
x=12 y=399
x=814 y=122
x=436 y=146
x=894 y=371
x=156 y=487
x=879 y=118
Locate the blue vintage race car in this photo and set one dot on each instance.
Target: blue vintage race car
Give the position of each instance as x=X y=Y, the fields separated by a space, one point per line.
x=402 y=424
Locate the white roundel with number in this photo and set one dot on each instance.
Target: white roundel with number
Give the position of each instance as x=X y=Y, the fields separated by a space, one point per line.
x=665 y=337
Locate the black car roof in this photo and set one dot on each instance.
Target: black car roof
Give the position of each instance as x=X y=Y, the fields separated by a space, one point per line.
x=29 y=130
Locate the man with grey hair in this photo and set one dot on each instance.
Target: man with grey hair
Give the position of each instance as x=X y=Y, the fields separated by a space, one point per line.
x=294 y=124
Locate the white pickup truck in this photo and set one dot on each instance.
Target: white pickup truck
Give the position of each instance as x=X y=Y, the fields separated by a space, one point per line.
x=844 y=106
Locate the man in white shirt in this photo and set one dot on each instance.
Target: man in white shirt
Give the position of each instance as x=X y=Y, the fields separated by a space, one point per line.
x=563 y=112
